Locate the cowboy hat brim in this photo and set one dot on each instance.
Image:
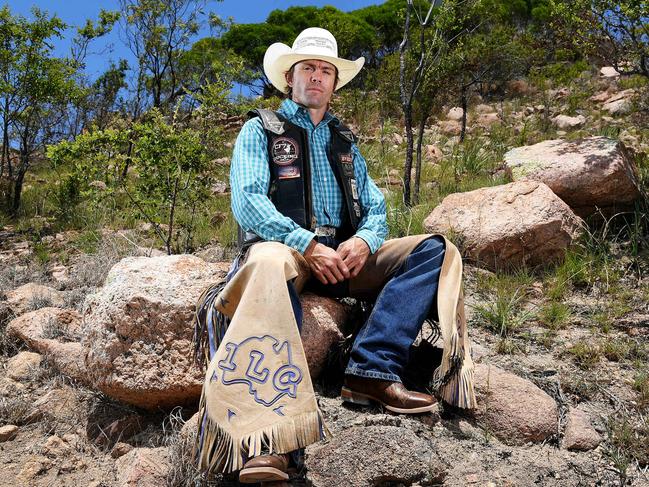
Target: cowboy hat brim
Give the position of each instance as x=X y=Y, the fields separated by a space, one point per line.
x=279 y=58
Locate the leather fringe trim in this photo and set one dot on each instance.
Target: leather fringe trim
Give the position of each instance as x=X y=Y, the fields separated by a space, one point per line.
x=217 y=451
x=210 y=325
x=453 y=379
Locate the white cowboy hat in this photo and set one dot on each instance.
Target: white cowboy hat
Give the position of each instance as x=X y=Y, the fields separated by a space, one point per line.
x=311 y=43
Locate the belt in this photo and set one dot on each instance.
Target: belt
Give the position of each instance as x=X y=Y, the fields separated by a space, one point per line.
x=325 y=231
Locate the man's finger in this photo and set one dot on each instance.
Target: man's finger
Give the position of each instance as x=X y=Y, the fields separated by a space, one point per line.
x=343 y=251
x=319 y=276
x=337 y=272
x=344 y=269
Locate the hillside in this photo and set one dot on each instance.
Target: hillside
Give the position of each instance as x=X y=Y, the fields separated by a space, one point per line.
x=560 y=342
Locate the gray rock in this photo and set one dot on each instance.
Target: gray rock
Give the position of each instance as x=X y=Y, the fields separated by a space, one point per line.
x=322 y=319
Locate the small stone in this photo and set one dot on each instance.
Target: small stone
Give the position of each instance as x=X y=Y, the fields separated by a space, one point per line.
x=455 y=113
x=609 y=72
x=32 y=467
x=580 y=434
x=450 y=127
x=100 y=185
x=567 y=122
x=54 y=446
x=483 y=108
x=8 y=432
x=23 y=365
x=120 y=449
x=143 y=467
x=219 y=187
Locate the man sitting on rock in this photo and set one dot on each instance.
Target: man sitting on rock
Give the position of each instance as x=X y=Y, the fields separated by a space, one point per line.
x=313 y=218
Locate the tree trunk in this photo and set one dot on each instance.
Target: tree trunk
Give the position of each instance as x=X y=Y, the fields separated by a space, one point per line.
x=18 y=184
x=406 y=103
x=420 y=141
x=464 y=104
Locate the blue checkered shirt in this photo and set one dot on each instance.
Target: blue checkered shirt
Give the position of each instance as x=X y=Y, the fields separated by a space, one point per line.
x=250 y=179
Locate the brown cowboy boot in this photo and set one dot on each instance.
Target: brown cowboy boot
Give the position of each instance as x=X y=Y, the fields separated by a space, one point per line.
x=393 y=395
x=265 y=468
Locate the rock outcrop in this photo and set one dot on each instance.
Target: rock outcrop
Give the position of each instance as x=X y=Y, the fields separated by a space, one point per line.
x=587 y=174
x=509 y=225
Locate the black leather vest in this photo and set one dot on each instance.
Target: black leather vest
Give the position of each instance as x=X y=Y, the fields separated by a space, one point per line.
x=290 y=172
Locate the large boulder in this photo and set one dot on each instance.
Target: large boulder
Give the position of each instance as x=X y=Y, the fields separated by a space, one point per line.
x=506 y=226
x=374 y=455
x=587 y=174
x=138 y=329
x=512 y=408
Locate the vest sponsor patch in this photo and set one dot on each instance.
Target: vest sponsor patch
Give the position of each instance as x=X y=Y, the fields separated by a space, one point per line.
x=284 y=151
x=346 y=158
x=352 y=182
x=288 y=172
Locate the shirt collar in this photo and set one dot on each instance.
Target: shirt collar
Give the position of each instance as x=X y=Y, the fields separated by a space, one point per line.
x=291 y=109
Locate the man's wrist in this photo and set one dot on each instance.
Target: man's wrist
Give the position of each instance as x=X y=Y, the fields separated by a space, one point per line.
x=371 y=240
x=309 y=249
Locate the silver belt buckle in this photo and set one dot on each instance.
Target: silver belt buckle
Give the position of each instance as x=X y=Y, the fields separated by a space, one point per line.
x=325 y=231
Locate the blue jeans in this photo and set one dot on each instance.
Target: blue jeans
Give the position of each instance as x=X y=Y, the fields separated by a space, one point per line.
x=381 y=349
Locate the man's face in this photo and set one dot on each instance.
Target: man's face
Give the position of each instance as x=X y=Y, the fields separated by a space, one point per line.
x=313 y=83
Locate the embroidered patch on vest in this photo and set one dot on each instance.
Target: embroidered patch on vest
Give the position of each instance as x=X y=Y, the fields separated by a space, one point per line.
x=346 y=158
x=284 y=151
x=352 y=182
x=288 y=172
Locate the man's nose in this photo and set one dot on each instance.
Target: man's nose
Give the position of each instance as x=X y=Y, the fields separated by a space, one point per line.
x=315 y=76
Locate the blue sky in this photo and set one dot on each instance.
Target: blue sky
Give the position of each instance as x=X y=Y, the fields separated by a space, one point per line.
x=75 y=12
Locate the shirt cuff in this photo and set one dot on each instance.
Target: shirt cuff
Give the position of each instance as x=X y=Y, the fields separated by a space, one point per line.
x=299 y=239
x=372 y=240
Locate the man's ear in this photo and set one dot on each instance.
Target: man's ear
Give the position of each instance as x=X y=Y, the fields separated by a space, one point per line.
x=289 y=78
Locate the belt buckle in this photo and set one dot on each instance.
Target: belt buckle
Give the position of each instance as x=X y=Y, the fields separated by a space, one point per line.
x=325 y=231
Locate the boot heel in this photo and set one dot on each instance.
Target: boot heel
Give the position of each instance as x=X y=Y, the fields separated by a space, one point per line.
x=348 y=395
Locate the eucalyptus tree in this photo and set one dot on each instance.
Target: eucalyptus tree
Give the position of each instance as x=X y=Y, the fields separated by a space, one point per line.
x=617 y=32
x=157 y=32
x=35 y=85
